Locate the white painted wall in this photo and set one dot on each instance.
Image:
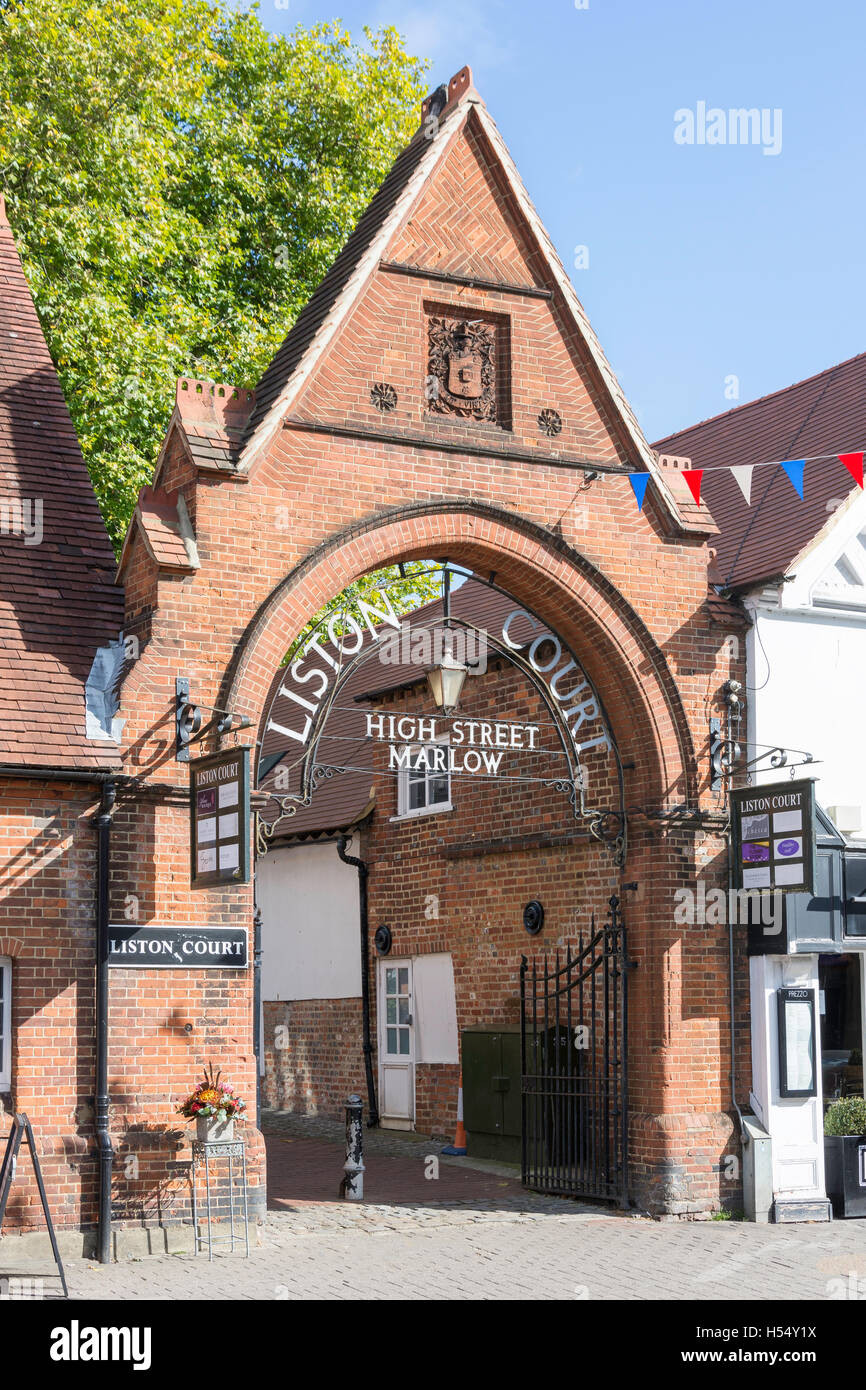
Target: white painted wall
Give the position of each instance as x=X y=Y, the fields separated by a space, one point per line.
x=310 y=924
x=436 y=1009
x=806 y=679
x=807 y=673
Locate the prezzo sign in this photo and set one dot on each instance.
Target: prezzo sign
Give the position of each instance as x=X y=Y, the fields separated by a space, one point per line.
x=177 y=948
x=297 y=704
x=220 y=818
x=773 y=837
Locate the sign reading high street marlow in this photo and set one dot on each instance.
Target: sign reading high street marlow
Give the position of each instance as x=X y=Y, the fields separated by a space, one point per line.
x=475 y=745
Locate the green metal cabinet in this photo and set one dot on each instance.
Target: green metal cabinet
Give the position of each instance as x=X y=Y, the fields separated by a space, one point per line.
x=491 y=1091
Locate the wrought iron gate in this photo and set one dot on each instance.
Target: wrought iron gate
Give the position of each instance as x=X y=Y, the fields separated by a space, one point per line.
x=573 y=1042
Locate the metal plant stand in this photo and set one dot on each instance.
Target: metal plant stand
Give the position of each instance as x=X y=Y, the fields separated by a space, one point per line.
x=207 y=1151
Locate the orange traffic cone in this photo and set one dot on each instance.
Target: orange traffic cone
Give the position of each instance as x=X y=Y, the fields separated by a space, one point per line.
x=459 y=1145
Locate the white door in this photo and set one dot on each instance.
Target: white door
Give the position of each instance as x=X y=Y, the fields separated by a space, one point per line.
x=396 y=1044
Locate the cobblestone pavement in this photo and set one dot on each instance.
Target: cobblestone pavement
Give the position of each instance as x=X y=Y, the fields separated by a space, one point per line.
x=546 y=1251
x=485 y=1240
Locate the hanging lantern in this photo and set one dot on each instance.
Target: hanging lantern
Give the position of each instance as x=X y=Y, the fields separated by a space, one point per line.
x=446 y=682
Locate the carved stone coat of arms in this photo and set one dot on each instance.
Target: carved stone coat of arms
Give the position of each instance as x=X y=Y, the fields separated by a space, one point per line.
x=461 y=368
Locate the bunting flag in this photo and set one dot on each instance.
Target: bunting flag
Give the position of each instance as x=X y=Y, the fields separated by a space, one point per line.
x=743 y=474
x=639 y=482
x=743 y=478
x=794 y=469
x=854 y=464
x=693 y=480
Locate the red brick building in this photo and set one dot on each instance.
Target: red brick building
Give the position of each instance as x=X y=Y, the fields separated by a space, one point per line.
x=59 y=607
x=442 y=396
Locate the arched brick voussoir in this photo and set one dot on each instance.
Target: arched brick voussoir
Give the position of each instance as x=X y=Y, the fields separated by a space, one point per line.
x=614 y=645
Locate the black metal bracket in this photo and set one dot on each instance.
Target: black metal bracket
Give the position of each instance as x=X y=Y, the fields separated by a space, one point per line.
x=190 y=723
x=724 y=755
x=777 y=757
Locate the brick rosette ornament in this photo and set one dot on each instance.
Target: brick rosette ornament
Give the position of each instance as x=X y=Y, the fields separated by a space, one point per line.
x=214 y=1106
x=550 y=422
x=383 y=396
x=461 y=368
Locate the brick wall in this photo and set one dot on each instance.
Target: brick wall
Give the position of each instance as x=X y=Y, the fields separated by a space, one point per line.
x=47 y=928
x=625 y=589
x=313 y=1055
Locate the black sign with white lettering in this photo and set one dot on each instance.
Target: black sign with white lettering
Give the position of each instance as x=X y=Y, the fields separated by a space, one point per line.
x=178 y=948
x=219 y=789
x=773 y=837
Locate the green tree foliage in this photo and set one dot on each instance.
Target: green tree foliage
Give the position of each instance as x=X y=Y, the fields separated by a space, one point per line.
x=179 y=181
x=407 y=586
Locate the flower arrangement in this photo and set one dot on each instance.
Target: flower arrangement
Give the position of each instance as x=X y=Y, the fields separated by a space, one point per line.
x=212 y=1098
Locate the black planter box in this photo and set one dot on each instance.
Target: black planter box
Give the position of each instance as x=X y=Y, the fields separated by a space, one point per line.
x=845 y=1171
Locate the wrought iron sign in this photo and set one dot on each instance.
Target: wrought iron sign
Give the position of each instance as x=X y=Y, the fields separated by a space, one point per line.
x=220 y=818
x=726 y=751
x=773 y=837
x=314 y=683
x=191 y=724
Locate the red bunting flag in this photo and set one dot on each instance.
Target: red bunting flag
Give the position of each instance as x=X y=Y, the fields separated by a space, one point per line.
x=854 y=464
x=693 y=479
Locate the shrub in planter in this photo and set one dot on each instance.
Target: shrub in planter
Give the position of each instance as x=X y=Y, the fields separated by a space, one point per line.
x=845 y=1155
x=846 y=1117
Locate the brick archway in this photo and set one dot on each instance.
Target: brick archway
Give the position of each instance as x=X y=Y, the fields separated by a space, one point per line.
x=619 y=654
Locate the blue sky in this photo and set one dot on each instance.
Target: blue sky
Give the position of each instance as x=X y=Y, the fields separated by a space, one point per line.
x=707 y=261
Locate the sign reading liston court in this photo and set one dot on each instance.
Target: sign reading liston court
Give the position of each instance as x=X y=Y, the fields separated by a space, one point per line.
x=219 y=789
x=773 y=837
x=177 y=948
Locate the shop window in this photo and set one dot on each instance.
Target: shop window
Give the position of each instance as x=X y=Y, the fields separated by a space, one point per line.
x=5 y=1023
x=840 y=998
x=424 y=786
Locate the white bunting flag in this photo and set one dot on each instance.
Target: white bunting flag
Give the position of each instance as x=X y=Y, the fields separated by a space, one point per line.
x=743 y=478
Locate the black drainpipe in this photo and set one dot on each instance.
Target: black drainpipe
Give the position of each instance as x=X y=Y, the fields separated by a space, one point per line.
x=361 y=866
x=103 y=1136
x=257 y=1008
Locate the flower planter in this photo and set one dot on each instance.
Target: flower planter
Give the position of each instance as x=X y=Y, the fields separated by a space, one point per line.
x=845 y=1173
x=214 y=1129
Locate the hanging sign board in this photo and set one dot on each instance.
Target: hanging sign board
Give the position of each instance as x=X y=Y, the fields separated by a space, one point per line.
x=773 y=837
x=220 y=818
x=177 y=948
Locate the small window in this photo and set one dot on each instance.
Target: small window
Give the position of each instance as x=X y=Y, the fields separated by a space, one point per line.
x=425 y=789
x=5 y=1023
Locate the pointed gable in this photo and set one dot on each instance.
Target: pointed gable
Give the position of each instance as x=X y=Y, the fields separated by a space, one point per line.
x=58 y=603
x=463 y=223
x=454 y=218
